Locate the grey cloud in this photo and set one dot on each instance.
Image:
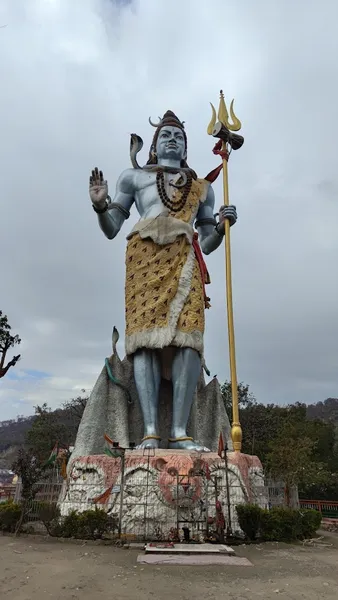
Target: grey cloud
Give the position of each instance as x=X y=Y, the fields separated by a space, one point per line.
x=77 y=78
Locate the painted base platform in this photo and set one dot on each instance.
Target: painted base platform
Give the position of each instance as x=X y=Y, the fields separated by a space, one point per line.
x=200 y=560
x=164 y=491
x=194 y=549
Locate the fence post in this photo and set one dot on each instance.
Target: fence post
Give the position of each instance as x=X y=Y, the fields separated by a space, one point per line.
x=121 y=492
x=229 y=524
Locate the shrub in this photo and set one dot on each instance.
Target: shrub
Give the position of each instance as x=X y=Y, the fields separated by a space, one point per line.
x=90 y=524
x=48 y=511
x=49 y=514
x=69 y=525
x=285 y=524
x=249 y=518
x=280 y=524
x=10 y=513
x=93 y=523
x=311 y=520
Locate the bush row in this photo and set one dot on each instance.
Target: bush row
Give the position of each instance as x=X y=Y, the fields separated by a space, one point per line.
x=277 y=524
x=90 y=524
x=10 y=513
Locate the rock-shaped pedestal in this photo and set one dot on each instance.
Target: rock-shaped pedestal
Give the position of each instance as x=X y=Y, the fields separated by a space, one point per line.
x=110 y=409
x=164 y=490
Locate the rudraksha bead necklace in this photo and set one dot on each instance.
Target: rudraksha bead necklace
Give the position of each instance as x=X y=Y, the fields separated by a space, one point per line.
x=174 y=206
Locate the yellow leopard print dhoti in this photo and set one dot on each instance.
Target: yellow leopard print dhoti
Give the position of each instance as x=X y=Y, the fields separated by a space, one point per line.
x=164 y=293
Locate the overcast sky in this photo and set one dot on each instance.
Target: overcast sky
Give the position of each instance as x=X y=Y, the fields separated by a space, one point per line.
x=76 y=79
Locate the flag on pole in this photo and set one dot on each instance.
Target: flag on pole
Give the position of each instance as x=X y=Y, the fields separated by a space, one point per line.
x=63 y=470
x=110 y=450
x=221 y=446
x=53 y=456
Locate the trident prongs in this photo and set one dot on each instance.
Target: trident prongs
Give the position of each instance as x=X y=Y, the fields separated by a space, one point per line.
x=223 y=116
x=213 y=120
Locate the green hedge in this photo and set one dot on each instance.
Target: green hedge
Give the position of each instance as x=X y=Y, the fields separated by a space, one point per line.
x=249 y=518
x=90 y=524
x=10 y=513
x=278 y=524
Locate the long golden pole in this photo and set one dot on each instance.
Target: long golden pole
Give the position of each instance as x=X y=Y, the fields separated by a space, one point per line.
x=235 y=125
x=236 y=430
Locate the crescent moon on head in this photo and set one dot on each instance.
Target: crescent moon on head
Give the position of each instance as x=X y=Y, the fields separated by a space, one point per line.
x=155 y=124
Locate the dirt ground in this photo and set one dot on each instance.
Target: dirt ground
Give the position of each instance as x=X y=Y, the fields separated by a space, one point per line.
x=34 y=568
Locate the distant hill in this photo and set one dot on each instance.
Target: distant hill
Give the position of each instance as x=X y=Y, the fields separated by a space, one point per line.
x=327 y=410
x=13 y=432
x=12 y=436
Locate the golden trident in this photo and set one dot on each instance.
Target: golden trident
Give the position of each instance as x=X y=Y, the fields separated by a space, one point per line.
x=228 y=141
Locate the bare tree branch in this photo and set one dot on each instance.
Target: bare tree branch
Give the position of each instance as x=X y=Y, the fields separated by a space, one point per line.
x=7 y=341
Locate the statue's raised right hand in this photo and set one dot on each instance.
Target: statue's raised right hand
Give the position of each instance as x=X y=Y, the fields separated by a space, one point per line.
x=98 y=188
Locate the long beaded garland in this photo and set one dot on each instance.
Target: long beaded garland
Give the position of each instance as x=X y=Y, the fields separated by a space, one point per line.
x=174 y=206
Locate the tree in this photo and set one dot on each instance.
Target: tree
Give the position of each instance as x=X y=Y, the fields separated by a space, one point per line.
x=31 y=473
x=76 y=406
x=260 y=425
x=7 y=341
x=259 y=422
x=295 y=442
x=327 y=410
x=46 y=430
x=245 y=397
x=291 y=458
x=72 y=412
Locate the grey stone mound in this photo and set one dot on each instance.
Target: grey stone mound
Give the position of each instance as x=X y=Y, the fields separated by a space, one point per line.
x=109 y=410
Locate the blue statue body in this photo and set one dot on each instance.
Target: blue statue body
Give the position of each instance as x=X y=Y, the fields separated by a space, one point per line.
x=163 y=192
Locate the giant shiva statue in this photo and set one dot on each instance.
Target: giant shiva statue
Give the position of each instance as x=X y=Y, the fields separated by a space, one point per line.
x=165 y=271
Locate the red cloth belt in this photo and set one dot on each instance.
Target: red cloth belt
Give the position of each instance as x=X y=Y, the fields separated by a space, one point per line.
x=202 y=266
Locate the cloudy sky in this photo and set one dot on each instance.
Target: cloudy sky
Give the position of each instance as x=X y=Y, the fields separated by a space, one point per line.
x=76 y=78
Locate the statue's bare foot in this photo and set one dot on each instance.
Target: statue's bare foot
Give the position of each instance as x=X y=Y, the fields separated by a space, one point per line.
x=186 y=443
x=149 y=443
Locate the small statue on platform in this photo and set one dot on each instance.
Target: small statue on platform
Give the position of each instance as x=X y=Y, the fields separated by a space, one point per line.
x=165 y=271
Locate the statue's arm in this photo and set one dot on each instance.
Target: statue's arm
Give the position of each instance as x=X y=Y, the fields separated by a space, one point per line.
x=210 y=231
x=209 y=237
x=112 y=219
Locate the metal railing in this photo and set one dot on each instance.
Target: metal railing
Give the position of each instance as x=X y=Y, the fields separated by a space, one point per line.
x=150 y=511
x=327 y=508
x=7 y=492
